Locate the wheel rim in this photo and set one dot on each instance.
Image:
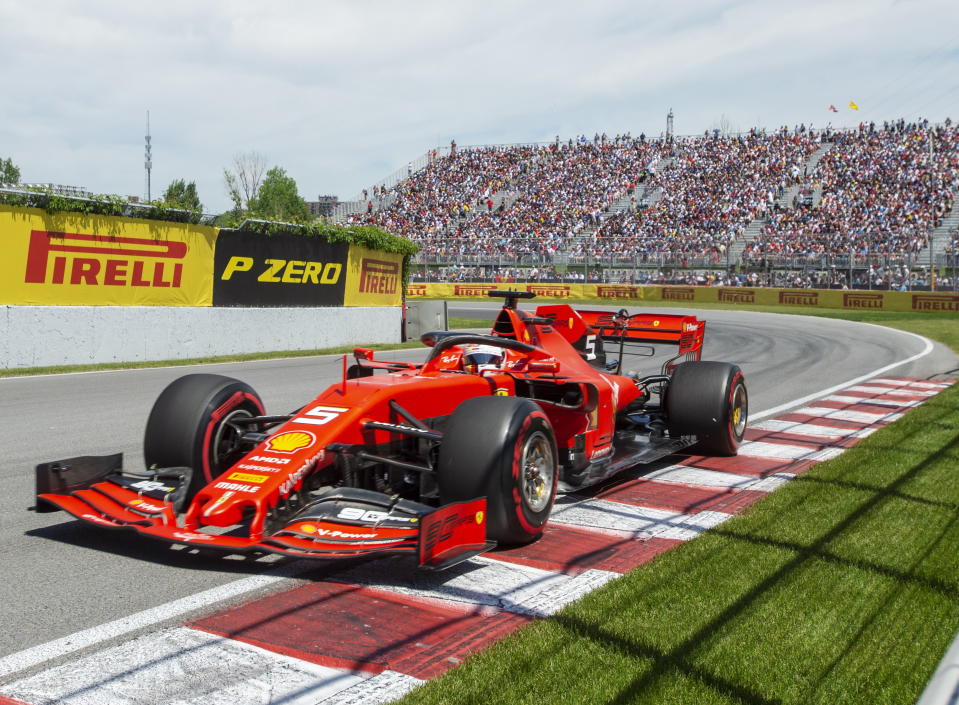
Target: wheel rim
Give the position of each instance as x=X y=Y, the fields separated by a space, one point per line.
x=537 y=472
x=226 y=441
x=739 y=411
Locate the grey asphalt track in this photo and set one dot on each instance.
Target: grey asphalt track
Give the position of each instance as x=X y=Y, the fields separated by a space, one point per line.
x=60 y=576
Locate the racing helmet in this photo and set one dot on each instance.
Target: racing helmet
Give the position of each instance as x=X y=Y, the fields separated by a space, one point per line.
x=477 y=358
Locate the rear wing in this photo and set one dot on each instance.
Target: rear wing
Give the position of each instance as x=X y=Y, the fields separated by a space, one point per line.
x=685 y=331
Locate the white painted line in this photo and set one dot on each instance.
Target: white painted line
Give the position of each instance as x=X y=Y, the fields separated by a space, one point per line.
x=783 y=451
x=773 y=482
x=844 y=415
x=184 y=665
x=928 y=348
x=95 y=635
x=642 y=522
x=900 y=404
x=804 y=429
x=699 y=477
x=480 y=582
x=382 y=688
x=892 y=391
x=905 y=384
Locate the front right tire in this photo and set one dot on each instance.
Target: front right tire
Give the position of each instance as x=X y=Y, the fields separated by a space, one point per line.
x=504 y=449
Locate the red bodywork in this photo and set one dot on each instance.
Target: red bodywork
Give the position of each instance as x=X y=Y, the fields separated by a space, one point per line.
x=251 y=493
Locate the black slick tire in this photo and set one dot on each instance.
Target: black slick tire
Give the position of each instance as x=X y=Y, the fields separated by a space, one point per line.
x=189 y=426
x=708 y=400
x=504 y=449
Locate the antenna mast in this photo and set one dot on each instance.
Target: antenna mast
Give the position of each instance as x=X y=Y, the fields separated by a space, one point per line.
x=148 y=158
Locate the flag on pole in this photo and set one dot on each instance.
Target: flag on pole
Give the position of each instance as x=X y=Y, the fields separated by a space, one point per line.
x=853 y=106
x=833 y=108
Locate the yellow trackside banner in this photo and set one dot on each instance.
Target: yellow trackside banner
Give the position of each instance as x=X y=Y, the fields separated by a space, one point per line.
x=373 y=278
x=692 y=295
x=75 y=259
x=542 y=291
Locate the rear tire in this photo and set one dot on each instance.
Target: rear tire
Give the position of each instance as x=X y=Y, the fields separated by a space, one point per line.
x=708 y=400
x=504 y=449
x=189 y=425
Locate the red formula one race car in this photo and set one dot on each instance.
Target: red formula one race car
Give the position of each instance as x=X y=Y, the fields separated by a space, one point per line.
x=442 y=459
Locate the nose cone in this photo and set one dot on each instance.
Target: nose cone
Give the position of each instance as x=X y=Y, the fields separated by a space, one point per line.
x=225 y=510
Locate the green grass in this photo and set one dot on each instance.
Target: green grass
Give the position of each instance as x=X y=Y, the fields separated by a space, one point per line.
x=841 y=587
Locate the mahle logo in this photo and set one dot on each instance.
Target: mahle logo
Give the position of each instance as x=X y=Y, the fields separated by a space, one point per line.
x=98 y=260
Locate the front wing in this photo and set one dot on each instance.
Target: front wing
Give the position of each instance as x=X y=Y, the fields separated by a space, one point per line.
x=439 y=537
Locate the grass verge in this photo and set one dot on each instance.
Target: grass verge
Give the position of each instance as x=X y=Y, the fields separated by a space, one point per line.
x=841 y=587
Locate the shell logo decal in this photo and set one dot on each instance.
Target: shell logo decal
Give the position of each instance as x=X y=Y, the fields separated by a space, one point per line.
x=307 y=528
x=656 y=324
x=290 y=441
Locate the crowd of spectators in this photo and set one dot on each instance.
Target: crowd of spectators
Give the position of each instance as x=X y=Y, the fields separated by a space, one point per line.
x=876 y=191
x=515 y=200
x=883 y=193
x=893 y=278
x=709 y=189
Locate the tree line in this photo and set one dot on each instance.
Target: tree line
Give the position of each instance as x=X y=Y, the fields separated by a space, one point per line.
x=256 y=192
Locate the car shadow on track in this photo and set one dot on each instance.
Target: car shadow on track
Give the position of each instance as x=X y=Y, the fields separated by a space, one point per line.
x=127 y=544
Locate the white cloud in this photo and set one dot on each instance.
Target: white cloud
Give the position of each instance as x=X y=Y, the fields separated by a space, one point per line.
x=341 y=93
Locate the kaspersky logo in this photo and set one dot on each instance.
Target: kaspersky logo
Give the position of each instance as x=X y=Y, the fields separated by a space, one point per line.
x=97 y=260
x=379 y=277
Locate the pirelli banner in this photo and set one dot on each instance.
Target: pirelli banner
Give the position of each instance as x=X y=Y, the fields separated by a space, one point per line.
x=874 y=300
x=252 y=269
x=77 y=259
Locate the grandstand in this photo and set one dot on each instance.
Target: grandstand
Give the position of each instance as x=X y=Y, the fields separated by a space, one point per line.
x=869 y=207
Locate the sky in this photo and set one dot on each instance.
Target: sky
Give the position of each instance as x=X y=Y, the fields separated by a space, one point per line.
x=342 y=93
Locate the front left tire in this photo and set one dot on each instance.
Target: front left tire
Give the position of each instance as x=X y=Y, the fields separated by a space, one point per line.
x=190 y=425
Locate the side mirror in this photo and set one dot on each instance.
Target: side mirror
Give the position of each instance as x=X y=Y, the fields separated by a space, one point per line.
x=543 y=366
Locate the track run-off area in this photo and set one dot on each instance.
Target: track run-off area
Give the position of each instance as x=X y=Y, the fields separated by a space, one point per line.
x=94 y=616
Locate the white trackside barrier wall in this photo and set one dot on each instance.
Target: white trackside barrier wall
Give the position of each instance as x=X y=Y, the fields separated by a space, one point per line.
x=42 y=336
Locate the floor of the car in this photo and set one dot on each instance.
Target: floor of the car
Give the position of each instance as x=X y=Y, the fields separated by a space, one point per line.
x=630 y=449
